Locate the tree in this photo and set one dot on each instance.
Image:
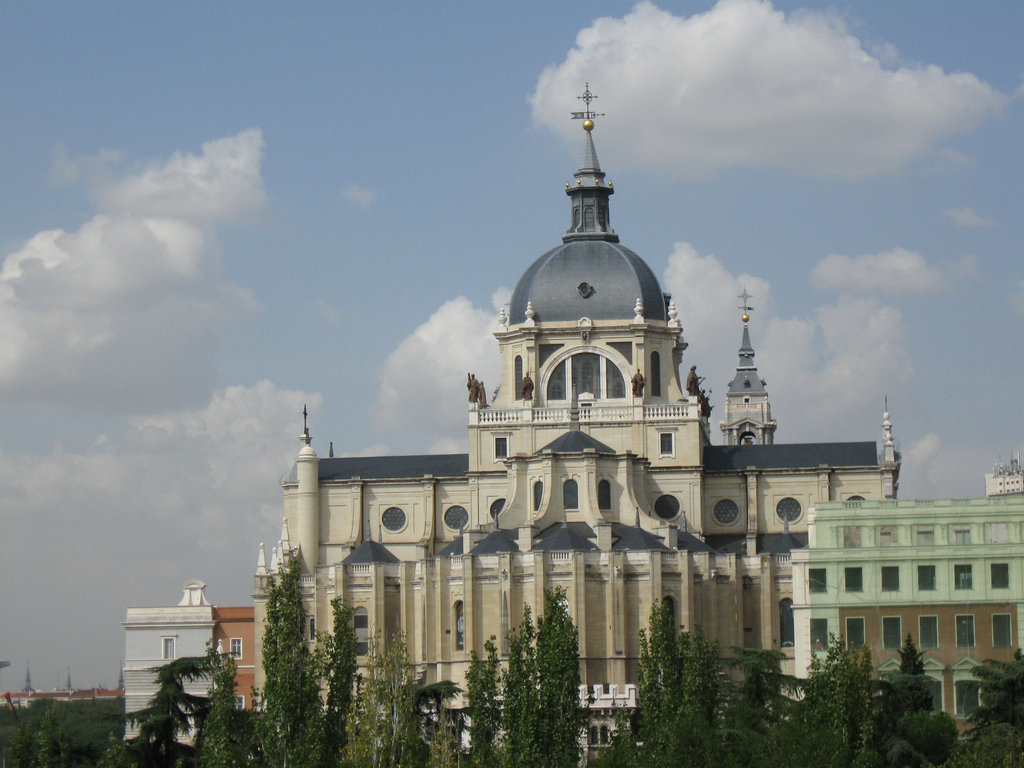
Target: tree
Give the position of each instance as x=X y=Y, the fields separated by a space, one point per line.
x=382 y=728
x=290 y=726
x=558 y=676
x=520 y=715
x=226 y=738
x=1001 y=693
x=341 y=667
x=172 y=716
x=482 y=691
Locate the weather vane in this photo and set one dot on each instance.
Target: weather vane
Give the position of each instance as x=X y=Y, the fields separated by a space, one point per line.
x=745 y=306
x=586 y=115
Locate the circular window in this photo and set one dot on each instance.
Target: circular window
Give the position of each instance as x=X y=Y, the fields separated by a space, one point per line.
x=788 y=510
x=496 y=506
x=666 y=507
x=726 y=512
x=393 y=519
x=456 y=518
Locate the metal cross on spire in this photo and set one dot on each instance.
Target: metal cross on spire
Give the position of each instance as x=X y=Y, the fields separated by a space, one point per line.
x=586 y=98
x=745 y=306
x=305 y=424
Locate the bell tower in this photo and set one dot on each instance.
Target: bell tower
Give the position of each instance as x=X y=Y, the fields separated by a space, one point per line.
x=748 y=413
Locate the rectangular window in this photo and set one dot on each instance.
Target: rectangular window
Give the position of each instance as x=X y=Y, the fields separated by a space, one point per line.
x=236 y=647
x=887 y=536
x=926 y=577
x=966 y=696
x=890 y=578
x=961 y=534
x=929 y=630
x=667 y=444
x=819 y=634
x=963 y=578
x=1000 y=575
x=925 y=535
x=1001 y=633
x=854 y=580
x=168 y=648
x=851 y=536
x=239 y=702
x=501 y=448
x=817 y=579
x=361 y=625
x=855 y=633
x=935 y=689
x=892 y=630
x=998 y=533
x=965 y=631
x=312 y=628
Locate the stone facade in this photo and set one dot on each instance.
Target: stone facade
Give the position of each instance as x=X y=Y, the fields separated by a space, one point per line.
x=579 y=475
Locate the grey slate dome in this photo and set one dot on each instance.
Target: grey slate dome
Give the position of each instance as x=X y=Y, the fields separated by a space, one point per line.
x=590 y=274
x=587 y=278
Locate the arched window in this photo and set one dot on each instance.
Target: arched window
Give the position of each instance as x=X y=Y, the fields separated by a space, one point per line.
x=655 y=374
x=670 y=608
x=604 y=734
x=361 y=625
x=786 y=633
x=604 y=495
x=460 y=627
x=586 y=372
x=570 y=495
x=538 y=494
x=593 y=734
x=519 y=377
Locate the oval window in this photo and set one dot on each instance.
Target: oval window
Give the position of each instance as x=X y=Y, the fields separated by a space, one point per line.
x=393 y=519
x=666 y=507
x=456 y=518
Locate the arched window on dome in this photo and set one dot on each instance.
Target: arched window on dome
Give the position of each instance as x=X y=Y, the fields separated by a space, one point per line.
x=655 y=374
x=586 y=372
x=570 y=495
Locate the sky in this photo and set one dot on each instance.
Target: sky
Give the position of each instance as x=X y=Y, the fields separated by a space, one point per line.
x=213 y=214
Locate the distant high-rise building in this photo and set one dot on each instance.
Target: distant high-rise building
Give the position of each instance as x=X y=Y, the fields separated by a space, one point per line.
x=1005 y=478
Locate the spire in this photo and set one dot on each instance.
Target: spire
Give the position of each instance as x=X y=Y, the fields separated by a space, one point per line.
x=28 y=679
x=120 y=677
x=746 y=379
x=748 y=414
x=588 y=192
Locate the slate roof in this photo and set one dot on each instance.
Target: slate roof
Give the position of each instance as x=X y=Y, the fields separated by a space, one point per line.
x=452 y=549
x=728 y=543
x=780 y=543
x=690 y=543
x=575 y=441
x=370 y=552
x=636 y=539
x=498 y=540
x=562 y=538
x=397 y=467
x=790 y=456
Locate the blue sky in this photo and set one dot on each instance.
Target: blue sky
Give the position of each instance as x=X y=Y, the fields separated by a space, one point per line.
x=211 y=214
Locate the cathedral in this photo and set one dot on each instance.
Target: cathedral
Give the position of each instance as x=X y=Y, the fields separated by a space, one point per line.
x=593 y=470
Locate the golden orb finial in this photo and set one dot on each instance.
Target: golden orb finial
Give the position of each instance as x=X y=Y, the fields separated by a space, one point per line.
x=746 y=318
x=588 y=125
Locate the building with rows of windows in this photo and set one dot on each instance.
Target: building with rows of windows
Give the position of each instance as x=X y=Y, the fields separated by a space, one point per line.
x=950 y=573
x=593 y=470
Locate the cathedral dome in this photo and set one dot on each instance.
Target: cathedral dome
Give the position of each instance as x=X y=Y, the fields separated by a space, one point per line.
x=592 y=278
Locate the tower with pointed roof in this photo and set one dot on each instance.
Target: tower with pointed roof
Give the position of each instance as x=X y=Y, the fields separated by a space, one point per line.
x=748 y=412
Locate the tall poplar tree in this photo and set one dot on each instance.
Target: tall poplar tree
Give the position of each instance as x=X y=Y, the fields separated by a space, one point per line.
x=341 y=667
x=482 y=694
x=558 y=676
x=290 y=726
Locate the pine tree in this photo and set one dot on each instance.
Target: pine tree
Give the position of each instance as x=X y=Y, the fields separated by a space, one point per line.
x=290 y=726
x=172 y=716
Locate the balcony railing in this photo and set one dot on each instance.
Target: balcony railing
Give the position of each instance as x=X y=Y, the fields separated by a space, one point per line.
x=588 y=414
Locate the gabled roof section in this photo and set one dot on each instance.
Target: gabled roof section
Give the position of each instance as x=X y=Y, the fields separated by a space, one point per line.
x=496 y=542
x=575 y=441
x=562 y=538
x=687 y=542
x=452 y=549
x=636 y=539
x=790 y=456
x=394 y=467
x=370 y=552
x=728 y=543
x=780 y=543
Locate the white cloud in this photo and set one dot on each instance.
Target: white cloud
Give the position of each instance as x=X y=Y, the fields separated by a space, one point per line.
x=125 y=519
x=124 y=314
x=745 y=85
x=423 y=381
x=221 y=183
x=361 y=196
x=893 y=272
x=827 y=371
x=966 y=217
